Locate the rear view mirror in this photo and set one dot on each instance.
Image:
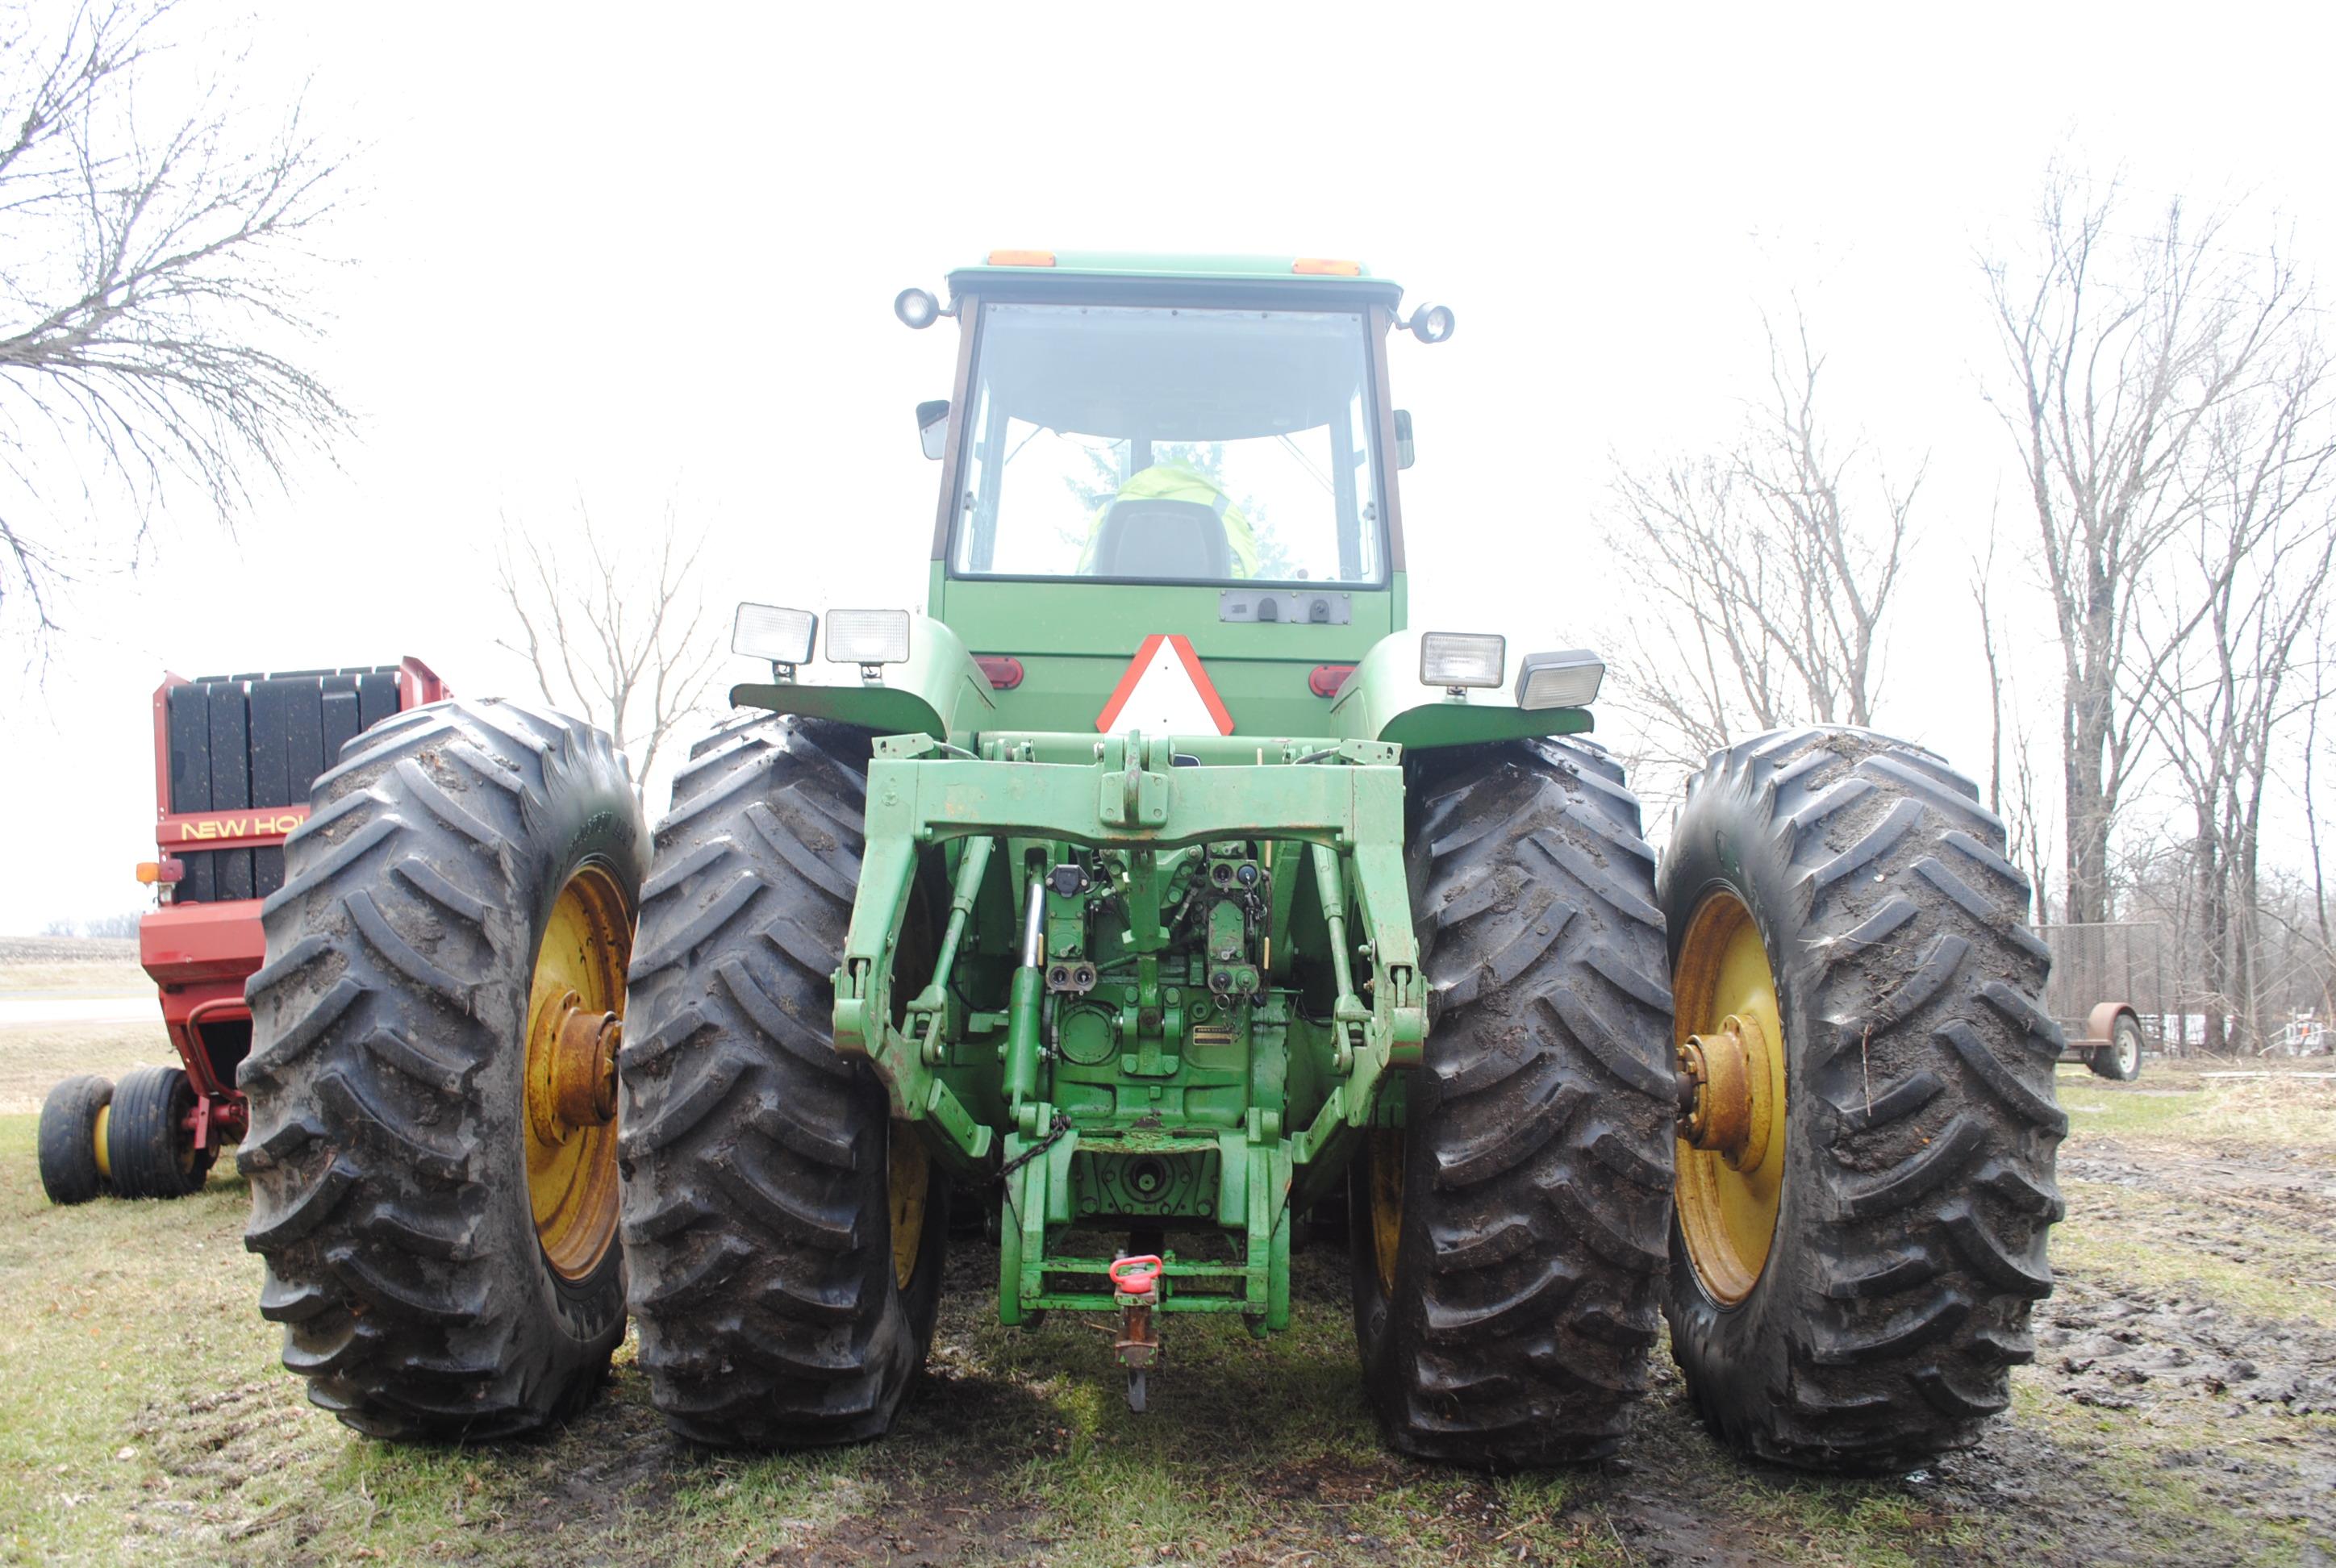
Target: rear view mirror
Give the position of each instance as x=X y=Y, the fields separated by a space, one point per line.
x=932 y=427
x=1403 y=453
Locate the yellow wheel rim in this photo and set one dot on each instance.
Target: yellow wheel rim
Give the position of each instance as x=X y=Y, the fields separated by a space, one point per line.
x=909 y=1176
x=1387 y=1201
x=1731 y=1154
x=574 y=1012
x=100 y=1144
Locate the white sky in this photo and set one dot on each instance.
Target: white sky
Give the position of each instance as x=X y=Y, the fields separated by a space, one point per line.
x=646 y=251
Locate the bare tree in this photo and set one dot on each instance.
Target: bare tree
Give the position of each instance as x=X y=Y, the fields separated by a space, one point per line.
x=2227 y=636
x=154 y=271
x=2119 y=353
x=2027 y=823
x=1772 y=567
x=619 y=637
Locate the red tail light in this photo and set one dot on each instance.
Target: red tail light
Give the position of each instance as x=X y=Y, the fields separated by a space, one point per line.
x=1328 y=678
x=1004 y=671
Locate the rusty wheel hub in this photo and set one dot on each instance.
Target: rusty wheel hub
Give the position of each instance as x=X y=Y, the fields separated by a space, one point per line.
x=1717 y=1100
x=1733 y=1128
x=576 y=1070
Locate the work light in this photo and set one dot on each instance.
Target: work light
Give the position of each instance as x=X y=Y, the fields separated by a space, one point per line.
x=916 y=308
x=1457 y=658
x=784 y=637
x=866 y=636
x=1569 y=677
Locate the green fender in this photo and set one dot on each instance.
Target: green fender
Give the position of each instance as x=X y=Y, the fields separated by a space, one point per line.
x=1384 y=700
x=938 y=690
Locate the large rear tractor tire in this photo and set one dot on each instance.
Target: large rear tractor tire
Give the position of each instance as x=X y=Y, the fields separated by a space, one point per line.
x=1865 y=1182
x=1508 y=1240
x=149 y=1149
x=432 y=1152
x=785 y=1236
x=72 y=1135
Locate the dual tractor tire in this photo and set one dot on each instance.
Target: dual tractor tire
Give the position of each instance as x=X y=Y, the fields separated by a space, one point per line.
x=785 y=1239
x=131 y=1139
x=1853 y=1299
x=439 y=1226
x=1508 y=1242
x=1909 y=1174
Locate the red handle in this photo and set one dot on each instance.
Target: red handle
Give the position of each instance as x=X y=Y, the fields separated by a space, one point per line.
x=1135 y=1276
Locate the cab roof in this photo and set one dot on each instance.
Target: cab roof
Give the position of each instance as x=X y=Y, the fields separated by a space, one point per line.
x=1027 y=269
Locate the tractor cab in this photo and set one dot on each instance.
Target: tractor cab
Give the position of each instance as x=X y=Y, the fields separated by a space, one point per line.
x=1203 y=448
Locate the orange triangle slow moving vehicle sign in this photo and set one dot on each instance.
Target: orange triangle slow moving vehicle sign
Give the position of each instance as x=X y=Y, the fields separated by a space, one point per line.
x=1166 y=692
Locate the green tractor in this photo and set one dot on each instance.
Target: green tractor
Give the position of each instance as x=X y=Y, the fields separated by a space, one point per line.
x=1155 y=889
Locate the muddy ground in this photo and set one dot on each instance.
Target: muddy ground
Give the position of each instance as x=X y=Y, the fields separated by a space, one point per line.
x=2182 y=1409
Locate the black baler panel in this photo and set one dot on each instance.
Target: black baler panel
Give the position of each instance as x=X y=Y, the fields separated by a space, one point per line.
x=230 y=780
x=304 y=735
x=341 y=721
x=271 y=774
x=376 y=696
x=191 y=748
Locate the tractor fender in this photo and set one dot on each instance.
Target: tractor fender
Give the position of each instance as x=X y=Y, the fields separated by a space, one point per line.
x=935 y=691
x=1385 y=700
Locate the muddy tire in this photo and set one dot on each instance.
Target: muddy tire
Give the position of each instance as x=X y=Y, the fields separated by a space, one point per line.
x=1506 y=1298
x=2120 y=1059
x=1916 y=1185
x=757 y=1161
x=392 y=1139
x=68 y=1139
x=148 y=1148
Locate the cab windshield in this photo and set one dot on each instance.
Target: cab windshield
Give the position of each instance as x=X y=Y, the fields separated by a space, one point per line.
x=1170 y=445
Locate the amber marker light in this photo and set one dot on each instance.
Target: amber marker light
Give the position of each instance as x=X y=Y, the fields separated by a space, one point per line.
x=1317 y=266
x=1021 y=259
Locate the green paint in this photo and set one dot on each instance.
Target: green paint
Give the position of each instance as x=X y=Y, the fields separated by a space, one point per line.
x=1226 y=988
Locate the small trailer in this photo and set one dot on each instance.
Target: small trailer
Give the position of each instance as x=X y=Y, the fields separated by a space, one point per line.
x=233 y=759
x=2108 y=993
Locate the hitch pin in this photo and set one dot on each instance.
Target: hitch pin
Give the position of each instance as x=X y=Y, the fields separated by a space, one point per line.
x=1135 y=1284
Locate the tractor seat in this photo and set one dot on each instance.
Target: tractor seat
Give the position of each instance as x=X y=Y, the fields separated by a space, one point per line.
x=1162 y=538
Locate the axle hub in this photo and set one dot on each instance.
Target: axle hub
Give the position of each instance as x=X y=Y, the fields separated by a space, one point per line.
x=575 y=1070
x=1721 y=1075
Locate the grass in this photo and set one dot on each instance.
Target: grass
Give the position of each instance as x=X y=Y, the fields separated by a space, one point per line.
x=35 y=1056
x=98 y=976
x=2176 y=1103
x=146 y=1417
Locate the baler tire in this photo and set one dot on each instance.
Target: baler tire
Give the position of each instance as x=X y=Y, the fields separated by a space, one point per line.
x=2110 y=1061
x=1916 y=1191
x=1512 y=1324
x=148 y=1147
x=755 y=1156
x=389 y=1138
x=68 y=1139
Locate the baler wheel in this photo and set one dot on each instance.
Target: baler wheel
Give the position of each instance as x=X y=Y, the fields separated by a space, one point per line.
x=784 y=1237
x=1508 y=1241
x=1865 y=1167
x=149 y=1149
x=72 y=1135
x=433 y=1150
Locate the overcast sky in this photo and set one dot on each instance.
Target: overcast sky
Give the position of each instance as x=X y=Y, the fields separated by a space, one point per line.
x=650 y=251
